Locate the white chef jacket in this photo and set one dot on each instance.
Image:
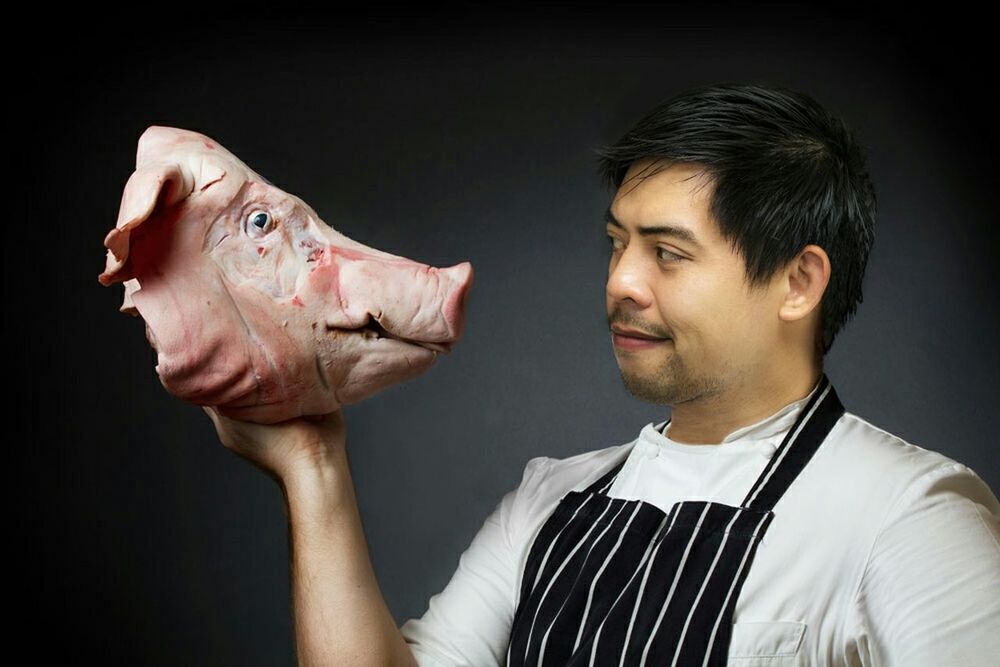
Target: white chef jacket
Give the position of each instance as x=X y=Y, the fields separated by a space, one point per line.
x=881 y=552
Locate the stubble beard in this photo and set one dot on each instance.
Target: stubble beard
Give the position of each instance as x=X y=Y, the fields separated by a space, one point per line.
x=671 y=382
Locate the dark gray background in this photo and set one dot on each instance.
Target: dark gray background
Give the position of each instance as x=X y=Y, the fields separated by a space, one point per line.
x=442 y=139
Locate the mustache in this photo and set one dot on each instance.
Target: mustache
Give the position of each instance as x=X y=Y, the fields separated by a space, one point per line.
x=638 y=325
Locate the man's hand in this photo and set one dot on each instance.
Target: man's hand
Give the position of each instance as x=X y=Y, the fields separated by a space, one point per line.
x=285 y=448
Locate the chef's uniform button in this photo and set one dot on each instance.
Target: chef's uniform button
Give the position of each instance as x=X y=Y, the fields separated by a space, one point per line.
x=651 y=450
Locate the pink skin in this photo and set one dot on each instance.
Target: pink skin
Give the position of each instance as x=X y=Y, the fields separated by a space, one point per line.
x=249 y=298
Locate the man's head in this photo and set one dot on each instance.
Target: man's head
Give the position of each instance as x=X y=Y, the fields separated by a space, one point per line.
x=777 y=194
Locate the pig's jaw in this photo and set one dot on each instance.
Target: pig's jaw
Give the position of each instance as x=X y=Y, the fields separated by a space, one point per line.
x=358 y=364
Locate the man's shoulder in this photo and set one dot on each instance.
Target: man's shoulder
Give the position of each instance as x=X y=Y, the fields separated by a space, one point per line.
x=864 y=446
x=865 y=466
x=547 y=479
x=575 y=471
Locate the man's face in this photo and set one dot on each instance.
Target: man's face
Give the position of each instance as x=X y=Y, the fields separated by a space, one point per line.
x=716 y=334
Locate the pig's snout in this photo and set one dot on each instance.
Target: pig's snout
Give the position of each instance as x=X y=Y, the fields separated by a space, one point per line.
x=401 y=299
x=452 y=310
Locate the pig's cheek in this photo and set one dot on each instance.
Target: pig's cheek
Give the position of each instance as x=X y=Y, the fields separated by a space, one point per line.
x=287 y=269
x=235 y=263
x=334 y=353
x=257 y=266
x=274 y=274
x=322 y=289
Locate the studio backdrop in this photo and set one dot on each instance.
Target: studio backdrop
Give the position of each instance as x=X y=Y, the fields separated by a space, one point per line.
x=444 y=140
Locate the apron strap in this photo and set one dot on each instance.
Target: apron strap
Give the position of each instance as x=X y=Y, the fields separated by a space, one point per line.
x=810 y=429
x=605 y=480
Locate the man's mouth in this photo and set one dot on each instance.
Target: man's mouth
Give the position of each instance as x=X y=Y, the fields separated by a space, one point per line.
x=640 y=335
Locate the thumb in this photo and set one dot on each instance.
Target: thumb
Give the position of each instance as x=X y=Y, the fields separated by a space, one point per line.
x=211 y=413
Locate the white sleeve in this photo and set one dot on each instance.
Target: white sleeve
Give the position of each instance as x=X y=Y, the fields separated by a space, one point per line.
x=469 y=622
x=930 y=593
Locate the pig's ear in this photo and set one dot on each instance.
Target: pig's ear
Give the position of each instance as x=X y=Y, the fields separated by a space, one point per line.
x=166 y=184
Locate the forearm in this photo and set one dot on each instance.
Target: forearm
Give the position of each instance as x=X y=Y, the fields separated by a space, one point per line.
x=340 y=615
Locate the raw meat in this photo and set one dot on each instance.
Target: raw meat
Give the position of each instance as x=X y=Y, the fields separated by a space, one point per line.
x=256 y=306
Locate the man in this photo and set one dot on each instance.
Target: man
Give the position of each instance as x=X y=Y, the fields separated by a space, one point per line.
x=763 y=522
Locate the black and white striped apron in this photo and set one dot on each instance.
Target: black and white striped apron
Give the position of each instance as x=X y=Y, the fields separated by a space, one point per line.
x=614 y=582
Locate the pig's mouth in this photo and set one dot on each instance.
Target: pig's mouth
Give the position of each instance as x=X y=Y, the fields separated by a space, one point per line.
x=372 y=329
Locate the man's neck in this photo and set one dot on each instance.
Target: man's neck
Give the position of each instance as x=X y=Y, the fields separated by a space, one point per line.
x=709 y=421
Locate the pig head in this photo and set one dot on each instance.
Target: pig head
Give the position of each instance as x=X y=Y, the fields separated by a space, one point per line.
x=256 y=306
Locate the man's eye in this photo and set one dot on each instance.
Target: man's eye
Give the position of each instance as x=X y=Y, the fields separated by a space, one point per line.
x=661 y=253
x=673 y=256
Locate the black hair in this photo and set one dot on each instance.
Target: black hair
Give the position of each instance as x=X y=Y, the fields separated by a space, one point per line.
x=786 y=173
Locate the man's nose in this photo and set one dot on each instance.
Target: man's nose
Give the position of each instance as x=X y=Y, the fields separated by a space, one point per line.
x=627 y=278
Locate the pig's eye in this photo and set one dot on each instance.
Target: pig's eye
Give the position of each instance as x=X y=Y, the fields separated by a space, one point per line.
x=259 y=223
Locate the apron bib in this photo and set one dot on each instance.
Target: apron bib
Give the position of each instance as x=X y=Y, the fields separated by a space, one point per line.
x=610 y=581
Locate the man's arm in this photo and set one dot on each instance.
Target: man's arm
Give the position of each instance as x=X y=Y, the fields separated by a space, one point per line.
x=930 y=594
x=340 y=615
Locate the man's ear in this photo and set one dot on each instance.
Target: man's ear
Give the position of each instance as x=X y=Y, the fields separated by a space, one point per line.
x=807 y=277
